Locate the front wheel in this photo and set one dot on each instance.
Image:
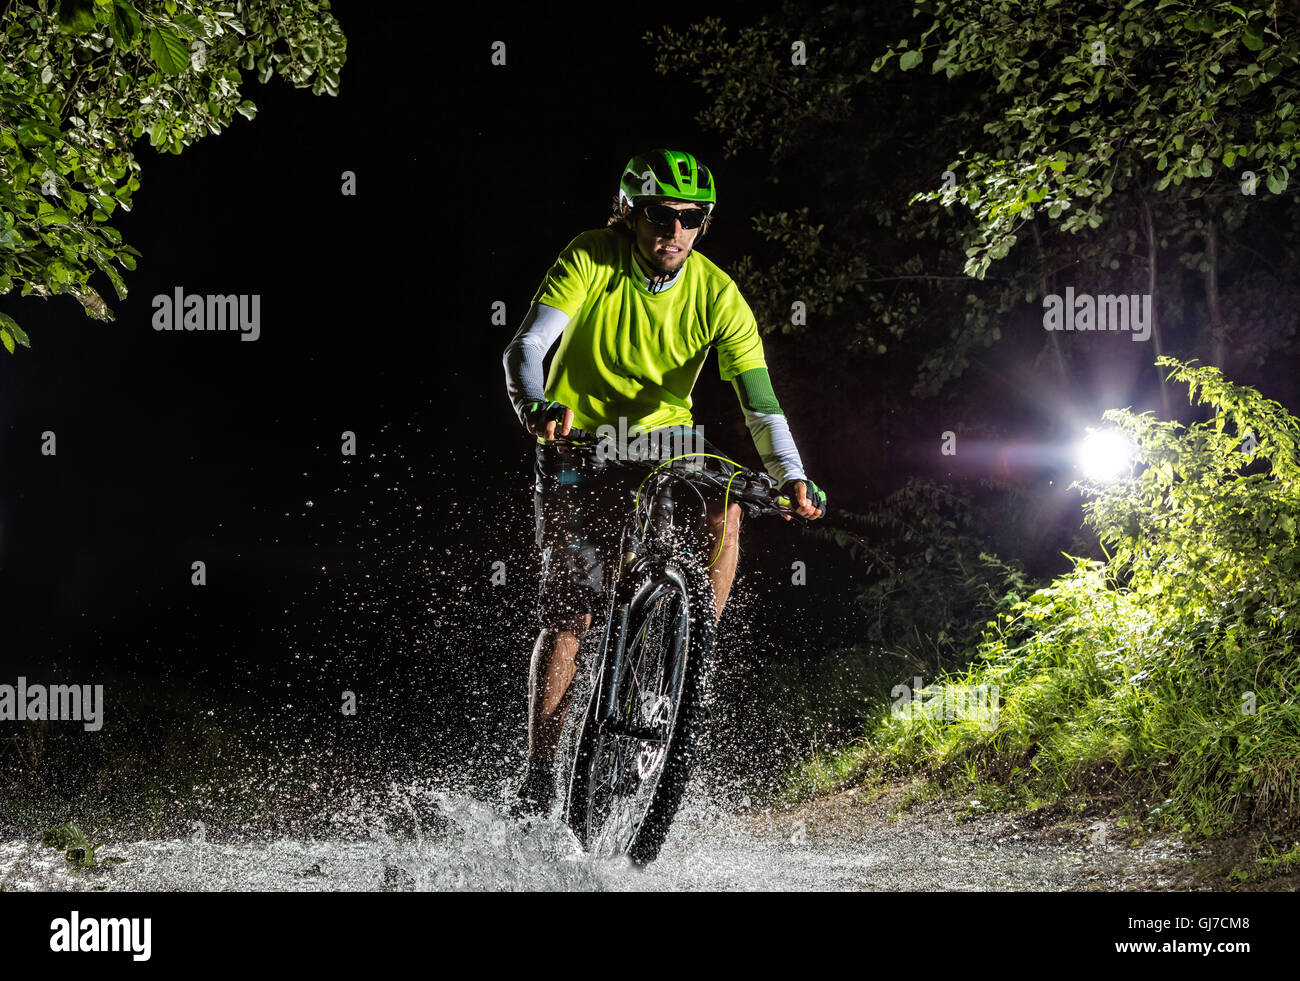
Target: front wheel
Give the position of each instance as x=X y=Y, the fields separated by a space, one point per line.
x=635 y=747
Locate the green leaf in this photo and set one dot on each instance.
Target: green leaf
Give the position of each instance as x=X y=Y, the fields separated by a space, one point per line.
x=114 y=277
x=17 y=333
x=76 y=16
x=124 y=25
x=191 y=24
x=1252 y=40
x=910 y=59
x=168 y=51
x=1229 y=158
x=35 y=131
x=6 y=340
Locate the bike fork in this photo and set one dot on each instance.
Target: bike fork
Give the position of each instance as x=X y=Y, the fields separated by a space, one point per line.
x=611 y=656
x=611 y=660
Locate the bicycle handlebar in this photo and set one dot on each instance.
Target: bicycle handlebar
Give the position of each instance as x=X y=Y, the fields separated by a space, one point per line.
x=757 y=493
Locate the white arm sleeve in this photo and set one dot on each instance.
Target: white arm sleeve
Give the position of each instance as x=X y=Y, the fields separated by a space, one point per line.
x=775 y=445
x=526 y=354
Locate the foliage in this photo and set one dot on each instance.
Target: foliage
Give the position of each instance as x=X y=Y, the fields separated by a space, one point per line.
x=1120 y=176
x=1116 y=100
x=1171 y=666
x=77 y=848
x=82 y=80
x=1268 y=862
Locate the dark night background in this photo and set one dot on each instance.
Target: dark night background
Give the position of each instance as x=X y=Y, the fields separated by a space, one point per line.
x=371 y=573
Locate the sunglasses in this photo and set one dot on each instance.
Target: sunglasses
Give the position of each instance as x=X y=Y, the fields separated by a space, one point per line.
x=664 y=216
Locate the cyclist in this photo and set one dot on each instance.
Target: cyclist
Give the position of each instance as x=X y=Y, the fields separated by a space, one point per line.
x=635 y=310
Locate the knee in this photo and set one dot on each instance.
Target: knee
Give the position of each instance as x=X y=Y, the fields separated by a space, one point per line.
x=733 y=518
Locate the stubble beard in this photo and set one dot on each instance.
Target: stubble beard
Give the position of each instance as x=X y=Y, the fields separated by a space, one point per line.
x=659 y=267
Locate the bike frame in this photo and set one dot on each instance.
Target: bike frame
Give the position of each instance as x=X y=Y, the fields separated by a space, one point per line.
x=636 y=551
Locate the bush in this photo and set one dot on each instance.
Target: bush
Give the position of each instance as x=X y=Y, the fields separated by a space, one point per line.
x=1169 y=669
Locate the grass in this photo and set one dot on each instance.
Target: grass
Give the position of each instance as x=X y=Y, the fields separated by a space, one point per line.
x=1268 y=865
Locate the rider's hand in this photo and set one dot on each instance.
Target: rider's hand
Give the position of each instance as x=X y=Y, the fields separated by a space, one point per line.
x=548 y=420
x=808 y=506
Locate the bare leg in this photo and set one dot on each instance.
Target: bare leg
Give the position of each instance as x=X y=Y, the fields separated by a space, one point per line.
x=723 y=571
x=553 y=667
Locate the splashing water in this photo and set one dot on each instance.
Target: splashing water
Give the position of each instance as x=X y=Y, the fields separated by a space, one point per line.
x=442 y=841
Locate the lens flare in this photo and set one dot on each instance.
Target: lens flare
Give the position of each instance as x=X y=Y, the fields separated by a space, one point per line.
x=1106 y=455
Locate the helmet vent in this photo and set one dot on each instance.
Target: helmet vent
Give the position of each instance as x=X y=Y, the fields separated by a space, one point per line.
x=669 y=174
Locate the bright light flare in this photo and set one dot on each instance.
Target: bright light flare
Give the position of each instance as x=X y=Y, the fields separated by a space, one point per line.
x=1105 y=455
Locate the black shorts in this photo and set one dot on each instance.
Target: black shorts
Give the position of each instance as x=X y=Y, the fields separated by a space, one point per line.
x=579 y=515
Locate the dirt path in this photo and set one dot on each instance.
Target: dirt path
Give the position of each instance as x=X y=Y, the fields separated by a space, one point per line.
x=937 y=845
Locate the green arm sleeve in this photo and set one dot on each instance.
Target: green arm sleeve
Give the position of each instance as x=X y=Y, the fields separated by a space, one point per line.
x=754 y=389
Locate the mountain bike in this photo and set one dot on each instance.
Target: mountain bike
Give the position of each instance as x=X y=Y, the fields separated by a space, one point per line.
x=636 y=742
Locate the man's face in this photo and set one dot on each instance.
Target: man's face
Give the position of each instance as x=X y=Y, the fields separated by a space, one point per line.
x=663 y=250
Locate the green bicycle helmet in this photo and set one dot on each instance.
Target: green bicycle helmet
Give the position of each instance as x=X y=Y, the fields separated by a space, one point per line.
x=659 y=174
